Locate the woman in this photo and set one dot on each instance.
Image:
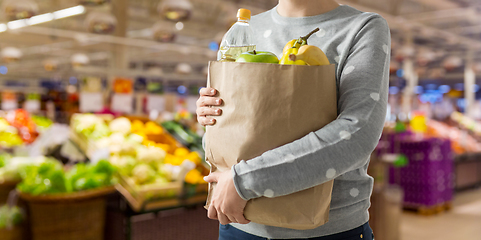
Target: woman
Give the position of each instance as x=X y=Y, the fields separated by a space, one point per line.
x=359 y=44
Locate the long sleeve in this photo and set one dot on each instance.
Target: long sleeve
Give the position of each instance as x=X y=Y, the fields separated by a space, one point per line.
x=341 y=146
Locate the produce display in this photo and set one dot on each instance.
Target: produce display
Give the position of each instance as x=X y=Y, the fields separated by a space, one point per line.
x=51 y=177
x=90 y=126
x=42 y=123
x=140 y=157
x=184 y=135
x=462 y=134
x=18 y=128
x=9 y=135
x=461 y=140
x=143 y=153
x=10 y=216
x=3 y=159
x=10 y=167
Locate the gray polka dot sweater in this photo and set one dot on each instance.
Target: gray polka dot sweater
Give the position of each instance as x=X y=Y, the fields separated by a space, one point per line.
x=359 y=44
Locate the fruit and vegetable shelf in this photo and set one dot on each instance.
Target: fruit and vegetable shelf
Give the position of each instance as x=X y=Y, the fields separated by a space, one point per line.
x=461 y=134
x=140 y=158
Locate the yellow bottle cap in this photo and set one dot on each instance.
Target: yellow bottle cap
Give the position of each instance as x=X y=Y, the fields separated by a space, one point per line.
x=244 y=14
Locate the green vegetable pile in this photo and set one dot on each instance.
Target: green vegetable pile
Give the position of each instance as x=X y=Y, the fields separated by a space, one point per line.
x=42 y=123
x=50 y=177
x=10 y=167
x=3 y=159
x=10 y=216
x=91 y=126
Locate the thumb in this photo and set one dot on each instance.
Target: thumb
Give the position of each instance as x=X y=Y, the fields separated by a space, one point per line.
x=212 y=177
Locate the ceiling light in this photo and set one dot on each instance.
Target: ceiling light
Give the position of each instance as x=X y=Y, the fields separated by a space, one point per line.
x=179 y=26
x=79 y=59
x=68 y=12
x=50 y=65
x=19 y=9
x=175 y=10
x=452 y=62
x=10 y=54
x=101 y=22
x=17 y=24
x=40 y=19
x=183 y=68
x=163 y=32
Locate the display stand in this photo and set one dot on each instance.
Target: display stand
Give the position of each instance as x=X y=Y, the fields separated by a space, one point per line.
x=467 y=169
x=119 y=205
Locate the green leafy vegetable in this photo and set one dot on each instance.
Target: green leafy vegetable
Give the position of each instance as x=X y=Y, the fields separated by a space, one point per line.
x=49 y=177
x=10 y=216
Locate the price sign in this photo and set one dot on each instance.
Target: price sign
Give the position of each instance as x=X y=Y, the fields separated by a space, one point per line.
x=9 y=105
x=122 y=103
x=156 y=102
x=91 y=102
x=32 y=105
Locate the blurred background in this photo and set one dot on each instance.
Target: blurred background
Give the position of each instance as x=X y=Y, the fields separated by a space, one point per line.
x=94 y=91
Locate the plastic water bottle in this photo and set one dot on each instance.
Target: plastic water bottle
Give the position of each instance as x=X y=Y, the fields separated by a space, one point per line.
x=239 y=38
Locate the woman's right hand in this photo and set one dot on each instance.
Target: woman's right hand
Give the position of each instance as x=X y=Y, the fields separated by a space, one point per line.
x=204 y=111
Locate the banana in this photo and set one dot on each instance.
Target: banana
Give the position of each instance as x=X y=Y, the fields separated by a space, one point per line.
x=310 y=54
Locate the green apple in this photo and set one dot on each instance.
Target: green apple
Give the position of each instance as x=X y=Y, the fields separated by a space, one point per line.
x=257 y=56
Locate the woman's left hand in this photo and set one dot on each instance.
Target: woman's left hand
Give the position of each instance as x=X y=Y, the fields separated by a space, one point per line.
x=226 y=205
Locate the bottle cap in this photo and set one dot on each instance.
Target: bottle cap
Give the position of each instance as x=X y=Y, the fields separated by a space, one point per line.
x=244 y=14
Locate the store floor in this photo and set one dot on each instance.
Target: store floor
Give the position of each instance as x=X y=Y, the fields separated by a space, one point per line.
x=462 y=222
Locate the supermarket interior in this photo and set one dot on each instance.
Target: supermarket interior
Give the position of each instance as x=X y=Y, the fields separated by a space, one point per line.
x=99 y=137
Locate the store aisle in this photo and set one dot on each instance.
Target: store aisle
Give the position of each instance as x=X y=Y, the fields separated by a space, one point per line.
x=463 y=222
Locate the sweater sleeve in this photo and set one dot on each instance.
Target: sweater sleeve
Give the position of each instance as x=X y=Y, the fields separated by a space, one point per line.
x=343 y=145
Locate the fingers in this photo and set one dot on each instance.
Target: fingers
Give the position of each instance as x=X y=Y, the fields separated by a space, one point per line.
x=207 y=111
x=241 y=219
x=223 y=219
x=212 y=212
x=207 y=91
x=233 y=216
x=204 y=101
x=213 y=177
x=204 y=121
x=204 y=110
x=231 y=219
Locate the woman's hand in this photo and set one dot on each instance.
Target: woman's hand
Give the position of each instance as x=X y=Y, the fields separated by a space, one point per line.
x=226 y=205
x=204 y=111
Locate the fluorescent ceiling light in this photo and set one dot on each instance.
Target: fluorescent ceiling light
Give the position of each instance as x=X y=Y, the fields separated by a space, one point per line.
x=17 y=24
x=40 y=19
x=69 y=12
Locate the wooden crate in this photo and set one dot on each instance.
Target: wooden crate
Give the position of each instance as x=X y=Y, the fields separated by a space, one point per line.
x=139 y=196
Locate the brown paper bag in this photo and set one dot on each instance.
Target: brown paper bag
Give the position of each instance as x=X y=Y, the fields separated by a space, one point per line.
x=266 y=106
